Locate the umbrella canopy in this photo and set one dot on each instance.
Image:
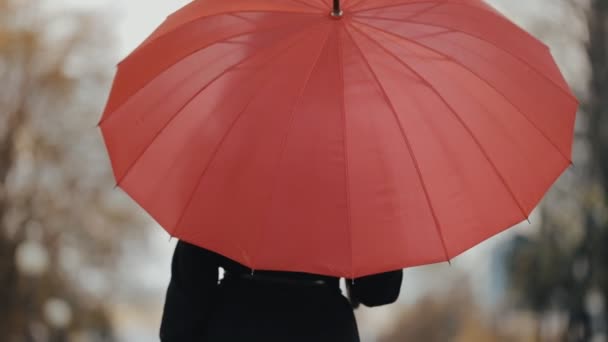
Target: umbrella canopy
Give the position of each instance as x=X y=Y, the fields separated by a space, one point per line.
x=339 y=139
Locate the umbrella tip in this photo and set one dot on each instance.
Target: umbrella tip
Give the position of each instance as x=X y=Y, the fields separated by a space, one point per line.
x=116 y=185
x=337 y=10
x=337 y=15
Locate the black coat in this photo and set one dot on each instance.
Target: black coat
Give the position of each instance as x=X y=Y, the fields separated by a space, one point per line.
x=268 y=306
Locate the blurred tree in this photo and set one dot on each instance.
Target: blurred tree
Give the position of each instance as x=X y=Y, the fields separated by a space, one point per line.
x=60 y=219
x=564 y=267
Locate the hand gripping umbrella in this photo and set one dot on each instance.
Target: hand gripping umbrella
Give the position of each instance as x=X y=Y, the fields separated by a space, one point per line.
x=338 y=139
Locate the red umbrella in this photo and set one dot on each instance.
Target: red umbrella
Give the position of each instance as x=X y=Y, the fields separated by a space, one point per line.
x=389 y=134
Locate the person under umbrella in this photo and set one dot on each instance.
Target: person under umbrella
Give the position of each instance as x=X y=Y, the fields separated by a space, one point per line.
x=263 y=305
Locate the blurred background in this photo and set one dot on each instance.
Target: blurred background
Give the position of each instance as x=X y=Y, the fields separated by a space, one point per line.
x=65 y=275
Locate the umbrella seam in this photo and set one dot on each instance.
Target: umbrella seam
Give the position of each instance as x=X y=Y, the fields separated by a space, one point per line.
x=465 y=126
x=490 y=10
x=407 y=143
x=171 y=168
x=302 y=2
x=394 y=5
x=500 y=93
x=160 y=99
x=346 y=169
x=181 y=25
x=241 y=17
x=290 y=125
x=516 y=107
x=239 y=115
x=108 y=115
x=326 y=3
x=474 y=36
x=210 y=83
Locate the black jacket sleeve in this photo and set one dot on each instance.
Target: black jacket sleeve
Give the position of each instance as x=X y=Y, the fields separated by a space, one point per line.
x=377 y=289
x=191 y=292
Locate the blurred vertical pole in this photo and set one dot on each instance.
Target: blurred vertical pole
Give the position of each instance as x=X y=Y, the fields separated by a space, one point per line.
x=596 y=237
x=7 y=154
x=597 y=51
x=8 y=272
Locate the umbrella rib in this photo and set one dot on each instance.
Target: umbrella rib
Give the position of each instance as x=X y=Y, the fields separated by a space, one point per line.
x=108 y=115
x=326 y=2
x=491 y=11
x=424 y=46
x=464 y=125
x=211 y=159
x=442 y=2
x=389 y=103
x=217 y=148
x=517 y=108
x=520 y=59
x=241 y=17
x=211 y=82
x=160 y=99
x=396 y=5
x=494 y=12
x=305 y=3
x=145 y=43
x=346 y=169
x=292 y=111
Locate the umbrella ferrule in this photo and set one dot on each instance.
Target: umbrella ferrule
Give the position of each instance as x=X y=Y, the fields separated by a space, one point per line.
x=337 y=11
